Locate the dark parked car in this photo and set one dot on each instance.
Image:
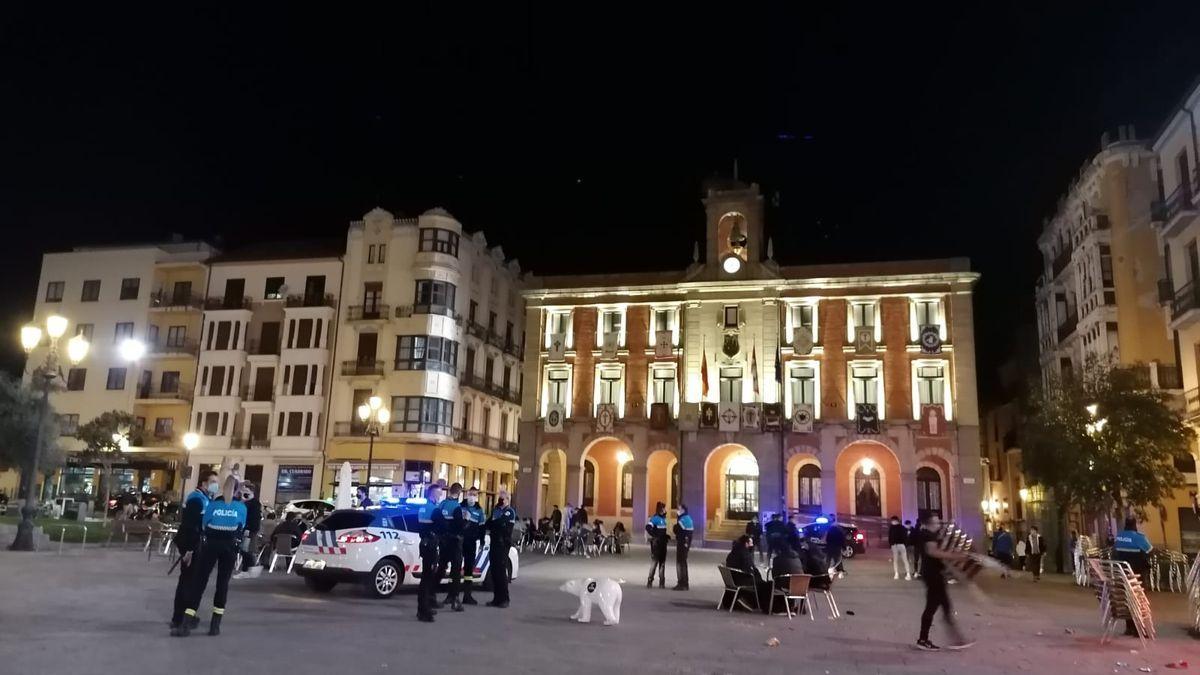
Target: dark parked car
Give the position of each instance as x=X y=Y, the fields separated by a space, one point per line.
x=856 y=541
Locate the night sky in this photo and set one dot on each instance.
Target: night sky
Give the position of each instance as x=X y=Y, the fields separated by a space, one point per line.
x=577 y=141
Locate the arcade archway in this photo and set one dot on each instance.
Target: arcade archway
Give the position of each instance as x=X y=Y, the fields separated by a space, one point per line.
x=730 y=486
x=868 y=480
x=660 y=479
x=607 y=463
x=552 y=489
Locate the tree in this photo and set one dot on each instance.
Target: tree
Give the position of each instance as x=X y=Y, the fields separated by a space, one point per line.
x=1103 y=441
x=105 y=439
x=18 y=428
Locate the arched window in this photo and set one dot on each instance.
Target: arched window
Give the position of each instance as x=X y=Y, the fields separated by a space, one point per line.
x=867 y=497
x=809 y=491
x=741 y=487
x=627 y=485
x=589 y=484
x=929 y=492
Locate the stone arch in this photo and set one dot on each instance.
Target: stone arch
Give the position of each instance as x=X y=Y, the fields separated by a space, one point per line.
x=937 y=462
x=552 y=476
x=794 y=462
x=716 y=465
x=883 y=458
x=610 y=454
x=658 y=477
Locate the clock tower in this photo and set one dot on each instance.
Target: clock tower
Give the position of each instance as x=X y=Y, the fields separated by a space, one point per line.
x=734 y=215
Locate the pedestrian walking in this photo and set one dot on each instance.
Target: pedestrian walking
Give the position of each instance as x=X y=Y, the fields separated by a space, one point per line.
x=1134 y=548
x=556 y=519
x=448 y=520
x=776 y=532
x=1035 y=547
x=187 y=542
x=472 y=540
x=933 y=566
x=430 y=554
x=1002 y=549
x=1021 y=549
x=224 y=523
x=835 y=543
x=500 y=527
x=683 y=544
x=656 y=528
x=898 y=541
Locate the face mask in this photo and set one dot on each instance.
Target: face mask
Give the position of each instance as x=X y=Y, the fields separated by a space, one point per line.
x=214 y=488
x=471 y=500
x=500 y=502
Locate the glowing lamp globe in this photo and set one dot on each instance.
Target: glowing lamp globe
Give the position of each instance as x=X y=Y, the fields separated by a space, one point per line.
x=30 y=337
x=731 y=264
x=55 y=326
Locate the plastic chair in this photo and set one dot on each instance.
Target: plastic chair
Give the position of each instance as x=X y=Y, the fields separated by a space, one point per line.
x=283 y=546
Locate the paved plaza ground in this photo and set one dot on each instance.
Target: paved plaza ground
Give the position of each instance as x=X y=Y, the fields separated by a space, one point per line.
x=105 y=611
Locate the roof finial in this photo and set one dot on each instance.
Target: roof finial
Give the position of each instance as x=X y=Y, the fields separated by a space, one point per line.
x=696 y=252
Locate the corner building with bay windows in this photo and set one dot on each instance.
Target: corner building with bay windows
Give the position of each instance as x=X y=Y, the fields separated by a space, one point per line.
x=740 y=386
x=430 y=322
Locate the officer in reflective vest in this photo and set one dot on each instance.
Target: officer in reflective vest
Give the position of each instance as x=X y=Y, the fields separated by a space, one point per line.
x=657 y=529
x=500 y=527
x=429 y=554
x=1134 y=548
x=187 y=541
x=448 y=523
x=683 y=544
x=472 y=538
x=224 y=524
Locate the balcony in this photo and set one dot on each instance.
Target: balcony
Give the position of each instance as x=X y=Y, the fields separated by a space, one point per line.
x=216 y=303
x=1166 y=292
x=1191 y=400
x=512 y=348
x=488 y=442
x=362 y=368
x=326 y=300
x=444 y=310
x=1155 y=376
x=252 y=396
x=180 y=393
x=1067 y=326
x=477 y=330
x=370 y=312
x=354 y=428
x=495 y=339
x=1177 y=211
x=168 y=347
x=254 y=443
x=162 y=300
x=1186 y=299
x=1061 y=262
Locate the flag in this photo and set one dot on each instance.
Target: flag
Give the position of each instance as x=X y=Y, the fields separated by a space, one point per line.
x=704 y=374
x=779 y=366
x=754 y=369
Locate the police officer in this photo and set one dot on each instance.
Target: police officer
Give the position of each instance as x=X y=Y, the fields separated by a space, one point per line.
x=776 y=533
x=187 y=542
x=683 y=544
x=500 y=527
x=448 y=523
x=1134 y=548
x=224 y=523
x=429 y=553
x=657 y=529
x=472 y=537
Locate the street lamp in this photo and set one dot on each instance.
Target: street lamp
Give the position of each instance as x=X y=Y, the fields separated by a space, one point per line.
x=43 y=377
x=376 y=417
x=1024 y=494
x=191 y=440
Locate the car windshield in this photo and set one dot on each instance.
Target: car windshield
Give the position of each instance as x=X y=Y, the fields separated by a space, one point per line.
x=346 y=520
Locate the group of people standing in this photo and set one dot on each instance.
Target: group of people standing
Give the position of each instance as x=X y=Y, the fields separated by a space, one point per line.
x=451 y=529
x=656 y=530
x=1026 y=554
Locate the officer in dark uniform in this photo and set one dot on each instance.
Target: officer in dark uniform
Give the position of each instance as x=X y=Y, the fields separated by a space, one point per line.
x=776 y=533
x=472 y=538
x=656 y=527
x=429 y=553
x=500 y=527
x=683 y=544
x=1134 y=548
x=448 y=522
x=187 y=542
x=224 y=525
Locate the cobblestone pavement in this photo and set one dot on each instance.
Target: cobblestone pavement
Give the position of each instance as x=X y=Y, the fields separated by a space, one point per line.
x=107 y=610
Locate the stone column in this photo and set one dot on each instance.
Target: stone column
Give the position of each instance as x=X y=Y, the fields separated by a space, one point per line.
x=529 y=480
x=574 y=484
x=829 y=488
x=908 y=495
x=638 y=520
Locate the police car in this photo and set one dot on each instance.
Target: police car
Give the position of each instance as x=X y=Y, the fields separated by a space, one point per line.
x=377 y=547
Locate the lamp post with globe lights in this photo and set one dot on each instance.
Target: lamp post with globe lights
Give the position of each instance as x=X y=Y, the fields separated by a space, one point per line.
x=44 y=377
x=375 y=416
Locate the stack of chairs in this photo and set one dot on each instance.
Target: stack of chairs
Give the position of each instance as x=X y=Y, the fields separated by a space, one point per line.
x=1174 y=564
x=1121 y=597
x=1177 y=572
x=1193 y=591
x=1085 y=548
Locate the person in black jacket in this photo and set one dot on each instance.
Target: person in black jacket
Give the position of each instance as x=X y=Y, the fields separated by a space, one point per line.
x=786 y=562
x=835 y=541
x=754 y=530
x=776 y=533
x=187 y=542
x=898 y=541
x=253 y=525
x=741 y=558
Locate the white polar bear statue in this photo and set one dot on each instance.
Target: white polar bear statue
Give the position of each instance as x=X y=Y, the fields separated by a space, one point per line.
x=604 y=592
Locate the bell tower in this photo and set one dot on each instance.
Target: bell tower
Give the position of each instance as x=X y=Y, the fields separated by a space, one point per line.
x=734 y=215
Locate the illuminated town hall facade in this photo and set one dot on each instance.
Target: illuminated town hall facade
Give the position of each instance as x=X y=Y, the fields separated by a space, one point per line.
x=741 y=386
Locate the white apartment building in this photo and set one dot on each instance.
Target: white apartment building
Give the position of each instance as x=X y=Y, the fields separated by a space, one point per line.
x=265 y=365
x=430 y=323
x=1176 y=214
x=150 y=293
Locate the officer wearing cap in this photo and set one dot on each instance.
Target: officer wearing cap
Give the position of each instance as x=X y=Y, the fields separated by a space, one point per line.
x=500 y=527
x=472 y=537
x=429 y=553
x=448 y=523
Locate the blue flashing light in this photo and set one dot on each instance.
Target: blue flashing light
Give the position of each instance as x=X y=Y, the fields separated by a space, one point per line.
x=416 y=500
x=821 y=520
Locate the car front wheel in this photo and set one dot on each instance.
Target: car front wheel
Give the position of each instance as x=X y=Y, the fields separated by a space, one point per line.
x=847 y=551
x=385 y=578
